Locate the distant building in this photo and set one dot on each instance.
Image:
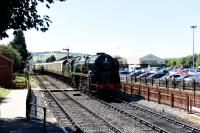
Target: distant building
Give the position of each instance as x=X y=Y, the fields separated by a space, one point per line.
x=6 y=70
x=152 y=60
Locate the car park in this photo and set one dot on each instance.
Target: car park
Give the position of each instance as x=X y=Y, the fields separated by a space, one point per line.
x=146 y=74
x=134 y=74
x=156 y=75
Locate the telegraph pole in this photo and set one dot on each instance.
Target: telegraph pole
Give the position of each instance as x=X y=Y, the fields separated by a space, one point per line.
x=193 y=27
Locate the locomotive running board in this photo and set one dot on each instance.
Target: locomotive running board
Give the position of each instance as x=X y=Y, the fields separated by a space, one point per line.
x=58 y=90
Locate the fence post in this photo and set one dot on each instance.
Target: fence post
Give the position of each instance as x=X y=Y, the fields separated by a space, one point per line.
x=187 y=104
x=190 y=104
x=172 y=99
x=44 y=121
x=194 y=88
x=183 y=84
x=135 y=79
x=131 y=90
x=166 y=83
x=124 y=88
x=148 y=93
x=139 y=90
x=131 y=79
x=145 y=80
x=158 y=97
x=28 y=101
x=174 y=83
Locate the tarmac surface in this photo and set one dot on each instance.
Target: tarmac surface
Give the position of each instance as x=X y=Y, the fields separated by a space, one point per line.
x=13 y=116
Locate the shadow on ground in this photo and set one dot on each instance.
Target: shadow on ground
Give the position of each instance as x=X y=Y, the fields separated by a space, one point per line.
x=128 y=97
x=22 y=125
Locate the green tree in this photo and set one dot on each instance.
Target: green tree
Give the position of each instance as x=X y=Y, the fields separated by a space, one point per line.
x=12 y=54
x=19 y=44
x=23 y=14
x=52 y=58
x=198 y=60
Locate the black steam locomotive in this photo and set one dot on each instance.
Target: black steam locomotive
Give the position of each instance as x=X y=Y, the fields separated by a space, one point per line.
x=97 y=73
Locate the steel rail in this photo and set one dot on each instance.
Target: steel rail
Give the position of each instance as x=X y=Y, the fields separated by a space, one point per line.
x=151 y=125
x=112 y=127
x=62 y=108
x=183 y=125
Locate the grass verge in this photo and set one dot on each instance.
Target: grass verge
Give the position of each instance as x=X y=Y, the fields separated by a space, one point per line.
x=3 y=93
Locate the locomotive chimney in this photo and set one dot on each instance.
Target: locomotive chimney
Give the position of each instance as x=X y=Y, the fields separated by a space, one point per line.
x=100 y=53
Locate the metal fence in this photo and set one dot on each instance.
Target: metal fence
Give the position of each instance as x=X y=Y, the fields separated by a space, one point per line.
x=167 y=83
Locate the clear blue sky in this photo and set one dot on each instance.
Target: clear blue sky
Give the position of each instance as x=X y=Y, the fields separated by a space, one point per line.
x=129 y=28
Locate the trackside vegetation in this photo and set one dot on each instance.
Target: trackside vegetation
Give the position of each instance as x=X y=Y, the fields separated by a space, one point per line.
x=3 y=93
x=184 y=61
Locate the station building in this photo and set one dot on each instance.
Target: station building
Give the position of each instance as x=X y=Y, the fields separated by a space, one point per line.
x=152 y=60
x=6 y=70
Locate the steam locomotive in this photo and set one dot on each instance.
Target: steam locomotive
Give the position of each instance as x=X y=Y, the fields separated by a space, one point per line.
x=97 y=73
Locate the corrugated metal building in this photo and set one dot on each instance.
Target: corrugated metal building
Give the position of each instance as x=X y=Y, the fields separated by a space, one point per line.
x=151 y=59
x=6 y=70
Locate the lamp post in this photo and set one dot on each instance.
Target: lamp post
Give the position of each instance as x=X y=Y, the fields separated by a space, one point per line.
x=67 y=49
x=193 y=27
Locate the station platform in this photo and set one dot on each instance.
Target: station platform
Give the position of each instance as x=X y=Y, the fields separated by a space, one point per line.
x=13 y=116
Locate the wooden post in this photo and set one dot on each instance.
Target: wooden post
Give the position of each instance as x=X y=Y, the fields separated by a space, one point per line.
x=135 y=79
x=194 y=89
x=145 y=80
x=158 y=97
x=131 y=79
x=166 y=83
x=28 y=100
x=44 y=121
x=139 y=90
x=148 y=93
x=174 y=83
x=183 y=84
x=131 y=90
x=124 y=88
x=190 y=104
x=172 y=99
x=187 y=104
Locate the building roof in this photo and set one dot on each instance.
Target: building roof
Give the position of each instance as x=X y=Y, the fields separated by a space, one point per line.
x=5 y=58
x=150 y=57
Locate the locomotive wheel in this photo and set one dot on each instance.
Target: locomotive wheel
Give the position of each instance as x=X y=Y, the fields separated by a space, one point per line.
x=84 y=86
x=73 y=82
x=80 y=85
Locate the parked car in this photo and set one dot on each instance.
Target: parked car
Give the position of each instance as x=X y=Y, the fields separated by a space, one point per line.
x=134 y=74
x=183 y=77
x=194 y=77
x=146 y=74
x=124 y=72
x=156 y=75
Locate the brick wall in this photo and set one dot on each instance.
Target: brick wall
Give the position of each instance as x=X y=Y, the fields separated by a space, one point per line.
x=6 y=70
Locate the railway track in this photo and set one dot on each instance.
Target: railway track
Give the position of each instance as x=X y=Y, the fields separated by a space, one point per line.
x=143 y=127
x=159 y=122
x=80 y=116
x=147 y=120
